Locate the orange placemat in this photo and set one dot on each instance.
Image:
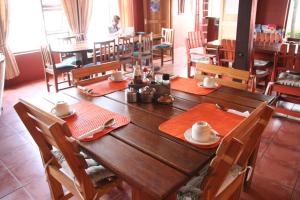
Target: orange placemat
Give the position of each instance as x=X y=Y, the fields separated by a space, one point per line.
x=221 y=121
x=105 y=87
x=189 y=85
x=89 y=116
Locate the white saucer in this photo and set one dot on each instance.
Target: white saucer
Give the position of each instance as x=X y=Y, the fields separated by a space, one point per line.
x=214 y=137
x=63 y=116
x=124 y=79
x=200 y=84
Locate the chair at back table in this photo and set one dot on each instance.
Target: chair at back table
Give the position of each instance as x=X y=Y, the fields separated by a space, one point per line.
x=103 y=52
x=64 y=163
x=233 y=165
x=144 y=52
x=125 y=50
x=196 y=50
x=286 y=78
x=225 y=76
x=268 y=37
x=54 y=69
x=167 y=43
x=87 y=75
x=226 y=53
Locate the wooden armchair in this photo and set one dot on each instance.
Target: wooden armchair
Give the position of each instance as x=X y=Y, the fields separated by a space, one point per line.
x=87 y=75
x=54 y=69
x=226 y=53
x=233 y=165
x=286 y=78
x=167 y=43
x=196 y=51
x=268 y=37
x=65 y=164
x=125 y=51
x=145 y=49
x=229 y=77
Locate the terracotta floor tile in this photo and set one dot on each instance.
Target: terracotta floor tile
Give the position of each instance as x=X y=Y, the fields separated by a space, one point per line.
x=274 y=171
x=296 y=195
x=287 y=139
x=19 y=194
x=8 y=183
x=39 y=189
x=262 y=148
x=284 y=156
x=297 y=187
x=9 y=144
x=28 y=171
x=20 y=155
x=273 y=126
x=265 y=189
x=6 y=131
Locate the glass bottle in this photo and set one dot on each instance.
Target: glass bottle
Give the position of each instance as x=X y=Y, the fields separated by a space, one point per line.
x=137 y=74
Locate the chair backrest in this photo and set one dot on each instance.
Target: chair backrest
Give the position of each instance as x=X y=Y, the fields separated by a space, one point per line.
x=167 y=35
x=268 y=37
x=47 y=58
x=235 y=150
x=145 y=43
x=104 y=51
x=49 y=131
x=195 y=40
x=87 y=75
x=227 y=51
x=125 y=46
x=230 y=77
x=288 y=58
x=72 y=39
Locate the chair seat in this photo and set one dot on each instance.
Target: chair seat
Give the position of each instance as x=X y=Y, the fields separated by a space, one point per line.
x=200 y=59
x=192 y=189
x=98 y=174
x=136 y=54
x=288 y=79
x=162 y=46
x=91 y=64
x=64 y=66
x=262 y=63
x=261 y=73
x=72 y=60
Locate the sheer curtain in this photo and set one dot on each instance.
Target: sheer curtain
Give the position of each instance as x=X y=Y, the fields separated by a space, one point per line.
x=126 y=13
x=101 y=19
x=78 y=13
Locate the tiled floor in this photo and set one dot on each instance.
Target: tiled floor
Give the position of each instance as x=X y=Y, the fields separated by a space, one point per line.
x=277 y=175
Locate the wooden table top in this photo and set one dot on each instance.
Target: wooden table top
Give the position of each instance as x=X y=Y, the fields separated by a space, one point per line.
x=155 y=163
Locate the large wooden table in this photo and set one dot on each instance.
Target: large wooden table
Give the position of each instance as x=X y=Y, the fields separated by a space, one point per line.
x=154 y=164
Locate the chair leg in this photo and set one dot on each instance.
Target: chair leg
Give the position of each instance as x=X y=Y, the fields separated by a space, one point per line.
x=172 y=51
x=69 y=79
x=47 y=81
x=56 y=189
x=55 y=82
x=189 y=70
x=161 y=57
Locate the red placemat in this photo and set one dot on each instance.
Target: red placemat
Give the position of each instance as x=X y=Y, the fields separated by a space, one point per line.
x=189 y=85
x=105 y=87
x=221 y=121
x=89 y=116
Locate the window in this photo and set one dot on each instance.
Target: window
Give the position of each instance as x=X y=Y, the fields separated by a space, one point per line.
x=293 y=23
x=26 y=30
x=102 y=14
x=214 y=8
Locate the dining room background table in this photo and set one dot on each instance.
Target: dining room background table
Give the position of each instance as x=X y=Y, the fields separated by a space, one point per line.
x=153 y=163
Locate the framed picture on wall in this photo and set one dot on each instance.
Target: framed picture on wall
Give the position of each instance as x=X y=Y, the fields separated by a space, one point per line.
x=154 y=5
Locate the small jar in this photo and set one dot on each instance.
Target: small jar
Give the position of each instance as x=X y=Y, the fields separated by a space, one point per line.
x=158 y=78
x=131 y=95
x=166 y=79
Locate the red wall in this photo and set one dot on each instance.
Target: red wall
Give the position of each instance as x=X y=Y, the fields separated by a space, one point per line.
x=138 y=15
x=271 y=12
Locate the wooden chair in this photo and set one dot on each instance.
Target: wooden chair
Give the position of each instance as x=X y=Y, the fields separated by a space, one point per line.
x=65 y=165
x=196 y=51
x=54 y=69
x=167 y=43
x=226 y=53
x=286 y=78
x=145 y=52
x=268 y=37
x=125 y=50
x=230 y=77
x=103 y=52
x=229 y=172
x=87 y=75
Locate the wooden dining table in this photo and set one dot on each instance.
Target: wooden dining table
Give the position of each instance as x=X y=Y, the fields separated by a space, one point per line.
x=153 y=163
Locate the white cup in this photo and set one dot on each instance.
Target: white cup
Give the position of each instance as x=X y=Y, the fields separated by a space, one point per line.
x=117 y=76
x=61 y=108
x=201 y=131
x=209 y=81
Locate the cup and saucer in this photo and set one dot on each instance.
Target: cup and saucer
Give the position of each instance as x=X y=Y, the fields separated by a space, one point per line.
x=117 y=77
x=208 y=82
x=62 y=110
x=201 y=133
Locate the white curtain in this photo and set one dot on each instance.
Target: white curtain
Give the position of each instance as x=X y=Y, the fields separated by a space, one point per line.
x=78 y=13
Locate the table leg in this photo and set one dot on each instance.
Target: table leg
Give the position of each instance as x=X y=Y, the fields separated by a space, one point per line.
x=161 y=57
x=84 y=57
